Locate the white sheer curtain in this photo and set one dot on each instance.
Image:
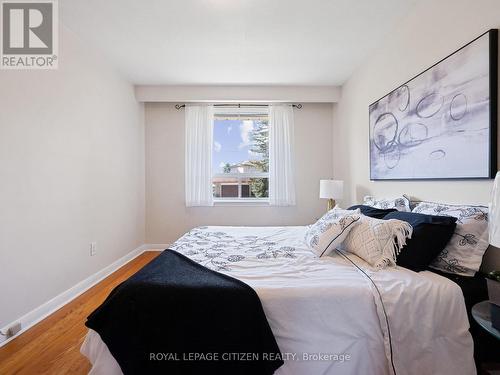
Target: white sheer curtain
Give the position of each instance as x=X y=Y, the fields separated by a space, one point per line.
x=198 y=160
x=281 y=158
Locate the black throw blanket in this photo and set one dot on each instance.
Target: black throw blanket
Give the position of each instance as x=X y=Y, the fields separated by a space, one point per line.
x=175 y=316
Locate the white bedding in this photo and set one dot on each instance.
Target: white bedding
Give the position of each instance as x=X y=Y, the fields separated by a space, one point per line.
x=325 y=306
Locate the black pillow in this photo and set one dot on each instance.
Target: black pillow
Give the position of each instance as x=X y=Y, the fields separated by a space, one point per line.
x=377 y=213
x=429 y=238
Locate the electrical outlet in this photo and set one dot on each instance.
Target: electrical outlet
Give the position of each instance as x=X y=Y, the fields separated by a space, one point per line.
x=93 y=248
x=12 y=330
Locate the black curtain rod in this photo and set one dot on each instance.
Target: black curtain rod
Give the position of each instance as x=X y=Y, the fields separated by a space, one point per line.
x=298 y=106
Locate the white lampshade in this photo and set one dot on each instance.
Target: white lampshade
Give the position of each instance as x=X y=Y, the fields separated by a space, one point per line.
x=331 y=189
x=494 y=215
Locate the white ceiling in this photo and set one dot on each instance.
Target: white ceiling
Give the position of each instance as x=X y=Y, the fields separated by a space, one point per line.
x=283 y=42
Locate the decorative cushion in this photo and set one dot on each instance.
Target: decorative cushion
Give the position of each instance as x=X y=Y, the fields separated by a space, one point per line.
x=464 y=252
x=400 y=203
x=377 y=241
x=430 y=236
x=413 y=203
x=377 y=213
x=330 y=231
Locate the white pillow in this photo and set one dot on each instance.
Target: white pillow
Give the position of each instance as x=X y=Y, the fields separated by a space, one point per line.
x=464 y=252
x=330 y=231
x=400 y=203
x=378 y=241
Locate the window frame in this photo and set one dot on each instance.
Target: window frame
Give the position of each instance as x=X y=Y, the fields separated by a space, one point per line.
x=237 y=113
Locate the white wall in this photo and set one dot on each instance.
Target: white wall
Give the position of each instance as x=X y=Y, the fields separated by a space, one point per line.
x=236 y=93
x=167 y=218
x=430 y=32
x=71 y=172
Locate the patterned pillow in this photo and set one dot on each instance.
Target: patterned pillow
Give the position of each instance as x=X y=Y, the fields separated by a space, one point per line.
x=400 y=203
x=378 y=241
x=464 y=252
x=330 y=231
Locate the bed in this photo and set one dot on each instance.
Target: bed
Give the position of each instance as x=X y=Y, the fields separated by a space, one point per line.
x=334 y=314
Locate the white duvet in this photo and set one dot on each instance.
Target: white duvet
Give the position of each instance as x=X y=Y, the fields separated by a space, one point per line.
x=326 y=315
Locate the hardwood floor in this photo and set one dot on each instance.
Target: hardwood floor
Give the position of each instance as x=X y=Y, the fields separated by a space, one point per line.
x=53 y=345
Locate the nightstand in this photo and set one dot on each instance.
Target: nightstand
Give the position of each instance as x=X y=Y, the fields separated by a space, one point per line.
x=481 y=314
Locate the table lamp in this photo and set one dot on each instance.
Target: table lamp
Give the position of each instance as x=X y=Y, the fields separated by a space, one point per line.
x=494 y=214
x=331 y=190
x=494 y=233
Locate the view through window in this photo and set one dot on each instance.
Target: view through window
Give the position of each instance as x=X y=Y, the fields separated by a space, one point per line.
x=241 y=157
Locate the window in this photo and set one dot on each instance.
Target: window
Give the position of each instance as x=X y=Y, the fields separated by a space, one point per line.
x=240 y=154
x=252 y=152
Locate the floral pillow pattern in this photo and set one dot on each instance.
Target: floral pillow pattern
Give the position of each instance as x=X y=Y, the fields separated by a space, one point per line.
x=464 y=253
x=400 y=203
x=331 y=230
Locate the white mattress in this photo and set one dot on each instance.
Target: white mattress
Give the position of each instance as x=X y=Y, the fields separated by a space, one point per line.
x=325 y=314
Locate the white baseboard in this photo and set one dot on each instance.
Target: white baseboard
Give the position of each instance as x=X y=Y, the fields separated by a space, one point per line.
x=41 y=312
x=157 y=246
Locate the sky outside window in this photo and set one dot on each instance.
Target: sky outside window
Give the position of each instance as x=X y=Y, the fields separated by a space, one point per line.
x=232 y=143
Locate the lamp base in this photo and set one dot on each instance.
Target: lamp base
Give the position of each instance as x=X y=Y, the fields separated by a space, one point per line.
x=331 y=204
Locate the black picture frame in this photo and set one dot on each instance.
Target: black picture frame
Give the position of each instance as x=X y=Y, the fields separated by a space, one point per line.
x=493 y=112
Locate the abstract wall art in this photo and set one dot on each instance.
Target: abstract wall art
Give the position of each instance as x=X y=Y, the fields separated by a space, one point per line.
x=441 y=124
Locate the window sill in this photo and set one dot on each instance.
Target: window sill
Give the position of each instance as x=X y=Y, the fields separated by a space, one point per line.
x=241 y=202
